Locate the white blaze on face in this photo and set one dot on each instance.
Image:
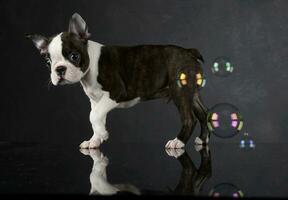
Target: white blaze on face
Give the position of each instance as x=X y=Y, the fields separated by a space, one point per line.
x=73 y=74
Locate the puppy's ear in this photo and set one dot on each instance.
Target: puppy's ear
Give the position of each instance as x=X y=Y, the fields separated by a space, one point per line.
x=40 y=42
x=78 y=26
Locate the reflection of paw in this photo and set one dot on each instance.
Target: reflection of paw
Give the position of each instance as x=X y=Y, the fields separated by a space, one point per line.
x=91 y=144
x=207 y=150
x=174 y=144
x=85 y=152
x=200 y=141
x=207 y=140
x=198 y=147
x=95 y=154
x=202 y=147
x=174 y=152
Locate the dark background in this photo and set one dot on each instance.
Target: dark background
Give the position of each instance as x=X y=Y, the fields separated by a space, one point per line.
x=253 y=34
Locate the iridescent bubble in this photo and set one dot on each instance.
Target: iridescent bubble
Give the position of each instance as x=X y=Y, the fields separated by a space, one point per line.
x=186 y=77
x=226 y=190
x=247 y=142
x=200 y=80
x=222 y=66
x=224 y=120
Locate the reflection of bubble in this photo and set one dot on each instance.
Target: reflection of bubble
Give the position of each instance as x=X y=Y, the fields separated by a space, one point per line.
x=246 y=142
x=186 y=76
x=224 y=120
x=226 y=190
x=222 y=66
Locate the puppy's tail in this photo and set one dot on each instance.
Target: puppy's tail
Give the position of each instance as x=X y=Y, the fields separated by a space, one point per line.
x=197 y=55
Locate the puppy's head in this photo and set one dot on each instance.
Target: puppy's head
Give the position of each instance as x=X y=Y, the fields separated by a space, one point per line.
x=66 y=54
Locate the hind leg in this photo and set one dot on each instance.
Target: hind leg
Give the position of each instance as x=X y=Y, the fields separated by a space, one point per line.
x=183 y=102
x=201 y=113
x=188 y=124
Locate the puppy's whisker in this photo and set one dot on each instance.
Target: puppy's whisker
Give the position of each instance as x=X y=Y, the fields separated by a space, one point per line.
x=49 y=84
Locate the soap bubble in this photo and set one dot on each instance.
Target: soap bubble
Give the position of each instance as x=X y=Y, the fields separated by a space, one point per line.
x=200 y=80
x=224 y=120
x=222 y=66
x=246 y=142
x=226 y=190
x=187 y=77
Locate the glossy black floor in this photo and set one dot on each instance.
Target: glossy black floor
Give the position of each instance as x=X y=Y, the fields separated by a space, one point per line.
x=220 y=169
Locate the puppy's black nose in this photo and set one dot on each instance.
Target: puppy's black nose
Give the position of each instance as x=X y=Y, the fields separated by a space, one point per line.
x=60 y=70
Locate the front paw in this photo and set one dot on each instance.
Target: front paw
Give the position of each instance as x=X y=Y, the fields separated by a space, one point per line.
x=174 y=144
x=91 y=144
x=201 y=141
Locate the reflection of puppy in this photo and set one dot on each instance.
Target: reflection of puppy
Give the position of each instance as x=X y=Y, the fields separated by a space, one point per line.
x=192 y=179
x=98 y=177
x=121 y=76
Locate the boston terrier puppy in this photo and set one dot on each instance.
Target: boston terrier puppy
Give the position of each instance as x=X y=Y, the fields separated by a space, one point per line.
x=122 y=76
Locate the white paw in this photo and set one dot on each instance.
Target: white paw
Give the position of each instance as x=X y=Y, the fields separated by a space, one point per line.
x=175 y=152
x=207 y=140
x=84 y=145
x=198 y=141
x=95 y=143
x=91 y=144
x=174 y=144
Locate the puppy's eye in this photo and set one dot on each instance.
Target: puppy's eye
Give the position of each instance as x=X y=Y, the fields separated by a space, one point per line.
x=74 y=57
